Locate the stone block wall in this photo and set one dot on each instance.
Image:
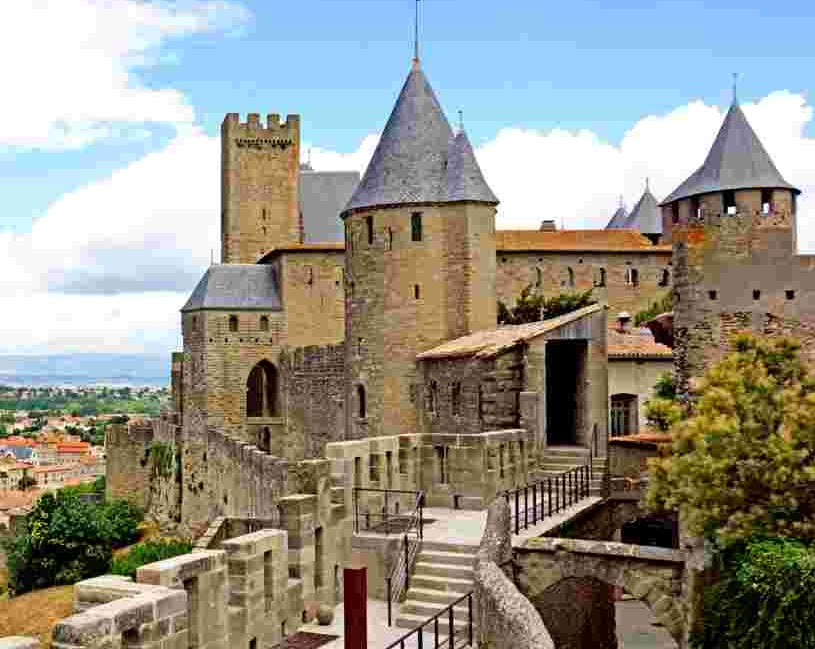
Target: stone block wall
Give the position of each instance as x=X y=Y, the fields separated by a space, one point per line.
x=127 y=469
x=548 y=274
x=314 y=388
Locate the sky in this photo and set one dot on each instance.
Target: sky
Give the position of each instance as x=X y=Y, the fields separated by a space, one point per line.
x=110 y=116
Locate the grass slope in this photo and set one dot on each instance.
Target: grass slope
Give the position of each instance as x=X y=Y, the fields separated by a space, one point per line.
x=34 y=614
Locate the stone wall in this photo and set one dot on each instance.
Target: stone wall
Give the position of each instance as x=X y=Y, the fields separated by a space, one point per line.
x=600 y=522
x=404 y=297
x=314 y=392
x=548 y=273
x=259 y=186
x=164 y=489
x=127 y=472
x=504 y=617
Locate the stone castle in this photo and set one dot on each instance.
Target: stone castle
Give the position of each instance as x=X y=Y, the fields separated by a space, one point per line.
x=318 y=359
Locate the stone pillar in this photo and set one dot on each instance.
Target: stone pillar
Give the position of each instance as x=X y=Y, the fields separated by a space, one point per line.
x=297 y=514
x=356 y=607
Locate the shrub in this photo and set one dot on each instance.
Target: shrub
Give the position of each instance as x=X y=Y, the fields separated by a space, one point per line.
x=532 y=308
x=148 y=552
x=123 y=520
x=765 y=600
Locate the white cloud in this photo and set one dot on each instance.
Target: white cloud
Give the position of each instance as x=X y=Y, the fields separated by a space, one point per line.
x=108 y=266
x=83 y=86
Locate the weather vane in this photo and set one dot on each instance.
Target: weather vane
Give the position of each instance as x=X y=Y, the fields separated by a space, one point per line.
x=735 y=87
x=416 y=34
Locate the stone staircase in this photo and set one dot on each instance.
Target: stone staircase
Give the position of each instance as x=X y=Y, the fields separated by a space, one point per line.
x=442 y=574
x=558 y=459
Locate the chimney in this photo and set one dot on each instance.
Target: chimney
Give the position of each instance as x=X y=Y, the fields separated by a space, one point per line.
x=623 y=320
x=548 y=225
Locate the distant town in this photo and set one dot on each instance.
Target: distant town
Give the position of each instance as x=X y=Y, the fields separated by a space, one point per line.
x=54 y=437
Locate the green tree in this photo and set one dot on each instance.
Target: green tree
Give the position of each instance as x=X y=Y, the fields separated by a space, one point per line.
x=662 y=305
x=532 y=308
x=742 y=464
x=662 y=410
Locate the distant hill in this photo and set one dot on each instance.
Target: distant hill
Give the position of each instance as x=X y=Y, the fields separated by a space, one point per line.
x=85 y=369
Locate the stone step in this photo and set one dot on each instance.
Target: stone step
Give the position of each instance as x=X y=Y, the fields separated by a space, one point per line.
x=411 y=621
x=438 y=556
x=441 y=546
x=437 y=583
x=442 y=570
x=428 y=609
x=575 y=451
x=443 y=597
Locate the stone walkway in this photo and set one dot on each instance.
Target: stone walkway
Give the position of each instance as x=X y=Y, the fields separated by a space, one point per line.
x=636 y=629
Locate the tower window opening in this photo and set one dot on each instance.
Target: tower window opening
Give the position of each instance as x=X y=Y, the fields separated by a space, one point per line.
x=389 y=241
x=195 y=323
x=790 y=294
x=600 y=279
x=455 y=399
x=675 y=213
x=695 y=208
x=480 y=404
x=441 y=456
x=264 y=232
x=632 y=277
x=361 y=405
x=369 y=228
x=729 y=201
x=712 y=295
x=766 y=201
x=665 y=277
x=570 y=277
x=538 y=278
x=756 y=294
x=416 y=226
x=416 y=291
x=262 y=391
x=233 y=323
x=264 y=323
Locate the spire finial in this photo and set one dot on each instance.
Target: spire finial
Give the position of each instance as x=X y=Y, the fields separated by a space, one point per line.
x=416 y=34
x=621 y=200
x=735 y=87
x=647 y=183
x=461 y=120
x=308 y=161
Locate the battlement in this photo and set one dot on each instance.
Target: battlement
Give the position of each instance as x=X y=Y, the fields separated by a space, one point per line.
x=274 y=128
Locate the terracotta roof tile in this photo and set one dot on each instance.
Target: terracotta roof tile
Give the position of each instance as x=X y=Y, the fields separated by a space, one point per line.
x=491 y=342
x=575 y=240
x=639 y=343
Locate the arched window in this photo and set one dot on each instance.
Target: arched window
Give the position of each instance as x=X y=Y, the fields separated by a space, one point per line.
x=632 y=277
x=600 y=278
x=233 y=323
x=264 y=323
x=538 y=278
x=570 y=277
x=361 y=405
x=665 y=278
x=262 y=391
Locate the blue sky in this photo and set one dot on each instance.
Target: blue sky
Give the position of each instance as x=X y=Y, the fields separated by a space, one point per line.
x=577 y=64
x=109 y=143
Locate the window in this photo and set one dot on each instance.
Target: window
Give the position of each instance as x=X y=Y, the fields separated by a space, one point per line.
x=369 y=228
x=263 y=216
x=623 y=414
x=361 y=405
x=570 y=277
x=501 y=461
x=480 y=404
x=712 y=295
x=416 y=226
x=416 y=291
x=729 y=201
x=432 y=397
x=262 y=391
x=441 y=461
x=195 y=323
x=538 y=278
x=790 y=294
x=264 y=323
x=455 y=399
x=600 y=277
x=695 y=209
x=338 y=277
x=389 y=240
x=675 y=213
x=756 y=294
x=233 y=323
x=632 y=277
x=264 y=230
x=357 y=471
x=373 y=467
x=665 y=277
x=766 y=201
x=309 y=275
x=388 y=468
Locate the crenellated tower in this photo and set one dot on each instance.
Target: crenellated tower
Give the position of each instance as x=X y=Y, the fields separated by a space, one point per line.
x=259 y=186
x=420 y=259
x=732 y=225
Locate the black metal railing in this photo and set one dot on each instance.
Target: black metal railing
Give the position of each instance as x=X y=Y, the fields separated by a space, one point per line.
x=441 y=623
x=532 y=503
x=397 y=582
x=384 y=517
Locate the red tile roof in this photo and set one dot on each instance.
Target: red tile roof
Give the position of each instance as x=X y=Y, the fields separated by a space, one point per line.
x=638 y=343
x=575 y=240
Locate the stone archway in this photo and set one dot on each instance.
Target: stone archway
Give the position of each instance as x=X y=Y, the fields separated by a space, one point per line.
x=653 y=575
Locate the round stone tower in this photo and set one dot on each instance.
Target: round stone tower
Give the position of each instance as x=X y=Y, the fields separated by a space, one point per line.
x=732 y=225
x=420 y=259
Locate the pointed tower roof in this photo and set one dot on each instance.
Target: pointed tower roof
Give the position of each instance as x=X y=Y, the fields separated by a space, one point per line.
x=618 y=220
x=646 y=216
x=410 y=164
x=737 y=160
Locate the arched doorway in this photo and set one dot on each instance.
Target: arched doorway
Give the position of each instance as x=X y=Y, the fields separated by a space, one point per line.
x=262 y=391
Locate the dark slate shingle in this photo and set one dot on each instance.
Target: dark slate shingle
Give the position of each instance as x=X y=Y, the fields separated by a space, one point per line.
x=236 y=286
x=618 y=220
x=646 y=216
x=323 y=195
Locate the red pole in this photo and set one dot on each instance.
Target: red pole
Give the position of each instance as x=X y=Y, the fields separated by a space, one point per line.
x=355 y=602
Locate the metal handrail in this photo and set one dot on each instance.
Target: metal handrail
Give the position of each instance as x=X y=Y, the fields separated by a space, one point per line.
x=414 y=518
x=450 y=642
x=405 y=556
x=569 y=487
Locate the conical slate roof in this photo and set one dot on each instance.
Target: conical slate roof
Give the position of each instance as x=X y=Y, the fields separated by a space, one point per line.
x=410 y=164
x=236 y=286
x=646 y=216
x=618 y=220
x=737 y=160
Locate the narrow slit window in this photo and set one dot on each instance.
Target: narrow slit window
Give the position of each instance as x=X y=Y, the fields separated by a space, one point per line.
x=455 y=399
x=264 y=323
x=729 y=201
x=675 y=213
x=416 y=291
x=361 y=405
x=416 y=226
x=766 y=201
x=233 y=323
x=756 y=294
x=665 y=277
x=389 y=243
x=790 y=294
x=369 y=228
x=601 y=277
x=712 y=295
